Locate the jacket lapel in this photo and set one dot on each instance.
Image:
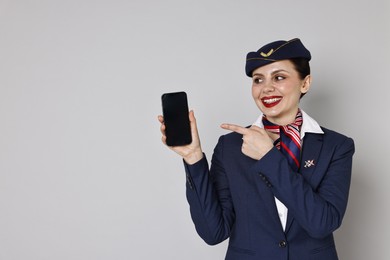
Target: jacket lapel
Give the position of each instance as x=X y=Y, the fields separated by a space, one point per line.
x=312 y=145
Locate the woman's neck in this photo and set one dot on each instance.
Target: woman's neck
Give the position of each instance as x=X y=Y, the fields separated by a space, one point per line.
x=283 y=120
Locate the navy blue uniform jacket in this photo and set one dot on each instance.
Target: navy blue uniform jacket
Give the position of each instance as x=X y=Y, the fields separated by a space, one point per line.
x=235 y=198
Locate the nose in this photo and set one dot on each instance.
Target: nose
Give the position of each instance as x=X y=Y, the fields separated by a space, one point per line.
x=268 y=87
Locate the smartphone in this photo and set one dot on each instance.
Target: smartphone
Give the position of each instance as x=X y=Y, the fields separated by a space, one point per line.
x=177 y=123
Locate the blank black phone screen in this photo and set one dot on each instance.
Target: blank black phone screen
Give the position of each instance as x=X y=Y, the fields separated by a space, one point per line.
x=177 y=123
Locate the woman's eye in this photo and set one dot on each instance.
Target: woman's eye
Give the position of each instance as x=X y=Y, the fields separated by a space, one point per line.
x=257 y=80
x=279 y=78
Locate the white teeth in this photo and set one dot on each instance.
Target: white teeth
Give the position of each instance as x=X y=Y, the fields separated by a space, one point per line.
x=272 y=100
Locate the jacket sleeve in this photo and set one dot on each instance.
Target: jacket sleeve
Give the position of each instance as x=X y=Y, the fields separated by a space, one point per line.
x=319 y=209
x=209 y=198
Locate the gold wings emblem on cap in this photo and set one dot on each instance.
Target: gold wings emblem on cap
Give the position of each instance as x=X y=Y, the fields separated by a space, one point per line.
x=265 y=55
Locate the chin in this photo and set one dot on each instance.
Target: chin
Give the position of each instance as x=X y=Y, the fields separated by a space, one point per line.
x=270 y=112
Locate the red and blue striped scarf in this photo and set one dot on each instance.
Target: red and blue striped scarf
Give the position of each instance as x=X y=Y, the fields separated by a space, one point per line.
x=289 y=142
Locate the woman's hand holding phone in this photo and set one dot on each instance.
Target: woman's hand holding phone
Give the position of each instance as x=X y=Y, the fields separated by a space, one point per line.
x=192 y=152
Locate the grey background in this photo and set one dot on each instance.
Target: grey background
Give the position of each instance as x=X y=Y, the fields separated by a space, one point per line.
x=83 y=173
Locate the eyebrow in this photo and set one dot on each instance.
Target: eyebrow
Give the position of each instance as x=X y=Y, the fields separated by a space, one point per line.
x=272 y=73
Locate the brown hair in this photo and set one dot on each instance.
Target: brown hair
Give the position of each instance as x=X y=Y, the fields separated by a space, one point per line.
x=302 y=66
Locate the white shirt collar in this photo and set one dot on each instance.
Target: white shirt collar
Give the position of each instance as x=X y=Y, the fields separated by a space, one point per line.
x=309 y=125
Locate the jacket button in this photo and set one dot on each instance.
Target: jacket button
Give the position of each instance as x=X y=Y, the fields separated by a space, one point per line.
x=282 y=244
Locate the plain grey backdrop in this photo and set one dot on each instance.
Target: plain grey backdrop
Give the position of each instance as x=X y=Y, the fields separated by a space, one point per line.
x=83 y=172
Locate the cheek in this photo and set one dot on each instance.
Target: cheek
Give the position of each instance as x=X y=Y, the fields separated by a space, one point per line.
x=289 y=90
x=255 y=92
x=294 y=98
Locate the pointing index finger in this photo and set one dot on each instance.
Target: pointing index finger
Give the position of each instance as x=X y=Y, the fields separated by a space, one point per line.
x=235 y=128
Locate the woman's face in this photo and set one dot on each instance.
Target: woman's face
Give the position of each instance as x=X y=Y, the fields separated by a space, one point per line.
x=276 y=89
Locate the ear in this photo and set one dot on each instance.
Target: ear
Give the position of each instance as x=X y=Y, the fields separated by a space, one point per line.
x=306 y=84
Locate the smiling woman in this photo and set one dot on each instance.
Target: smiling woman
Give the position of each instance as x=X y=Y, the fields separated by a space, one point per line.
x=277 y=88
x=279 y=188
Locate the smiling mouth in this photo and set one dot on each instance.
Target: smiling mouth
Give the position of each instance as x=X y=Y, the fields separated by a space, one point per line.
x=271 y=101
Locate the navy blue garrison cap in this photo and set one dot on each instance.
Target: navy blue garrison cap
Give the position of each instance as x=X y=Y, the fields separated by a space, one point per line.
x=275 y=51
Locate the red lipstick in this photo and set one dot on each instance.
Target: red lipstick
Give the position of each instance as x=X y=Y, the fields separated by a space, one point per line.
x=271 y=101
